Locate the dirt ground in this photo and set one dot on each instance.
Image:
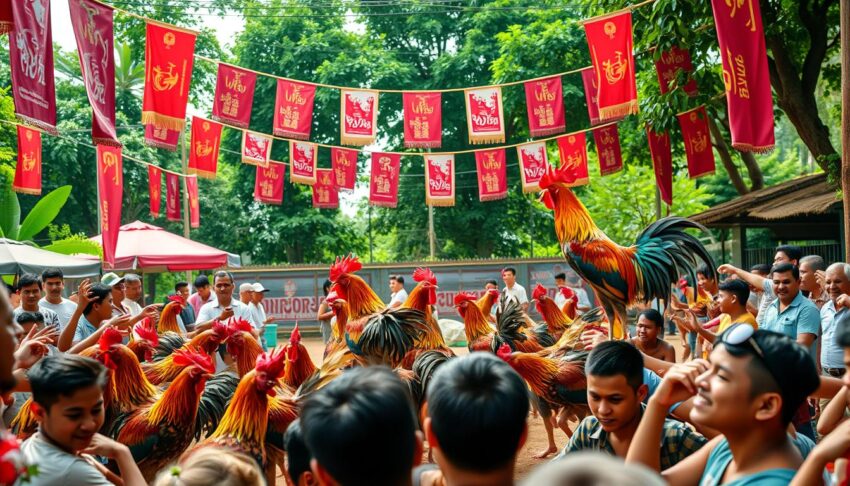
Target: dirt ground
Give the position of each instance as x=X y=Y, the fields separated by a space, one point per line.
x=536 y=433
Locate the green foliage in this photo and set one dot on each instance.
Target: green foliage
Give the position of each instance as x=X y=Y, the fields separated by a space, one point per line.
x=10 y=210
x=44 y=212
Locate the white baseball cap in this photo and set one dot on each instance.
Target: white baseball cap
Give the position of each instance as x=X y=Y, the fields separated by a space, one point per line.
x=246 y=287
x=258 y=287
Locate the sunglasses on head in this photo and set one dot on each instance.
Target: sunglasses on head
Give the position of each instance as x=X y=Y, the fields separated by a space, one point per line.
x=740 y=334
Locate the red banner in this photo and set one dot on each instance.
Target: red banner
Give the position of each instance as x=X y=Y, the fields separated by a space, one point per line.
x=256 y=148
x=544 y=101
x=383 y=183
x=206 y=139
x=28 y=169
x=172 y=196
x=194 y=204
x=662 y=163
x=344 y=164
x=163 y=138
x=423 y=120
x=694 y=126
x=325 y=194
x=268 y=183
x=92 y=22
x=745 y=75
x=110 y=183
x=610 y=42
x=358 y=116
x=668 y=66
x=572 y=151
x=484 y=118
x=440 y=179
x=607 y=141
x=588 y=78
x=169 y=52
x=492 y=174
x=31 y=59
x=6 y=24
x=155 y=188
x=302 y=162
x=293 y=109
x=234 y=95
x=533 y=163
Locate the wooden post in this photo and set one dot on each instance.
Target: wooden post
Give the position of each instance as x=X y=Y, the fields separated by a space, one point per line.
x=845 y=120
x=183 y=147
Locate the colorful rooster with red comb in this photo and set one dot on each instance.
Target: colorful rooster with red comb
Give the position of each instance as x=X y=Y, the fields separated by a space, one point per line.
x=621 y=276
x=299 y=365
x=362 y=300
x=168 y=317
x=145 y=340
x=422 y=298
x=487 y=301
x=556 y=320
x=479 y=334
x=163 y=369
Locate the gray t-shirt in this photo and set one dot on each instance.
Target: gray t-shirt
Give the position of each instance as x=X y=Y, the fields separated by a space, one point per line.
x=58 y=468
x=64 y=310
x=50 y=317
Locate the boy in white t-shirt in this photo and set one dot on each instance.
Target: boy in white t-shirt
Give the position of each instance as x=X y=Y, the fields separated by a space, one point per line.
x=399 y=295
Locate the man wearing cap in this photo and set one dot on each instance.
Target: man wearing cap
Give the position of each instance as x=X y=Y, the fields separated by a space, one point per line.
x=117 y=284
x=256 y=305
x=246 y=293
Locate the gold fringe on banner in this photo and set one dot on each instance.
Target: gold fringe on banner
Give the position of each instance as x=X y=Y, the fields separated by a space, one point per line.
x=26 y=120
x=27 y=190
x=618 y=111
x=297 y=179
x=356 y=141
x=106 y=141
x=492 y=197
x=291 y=135
x=485 y=139
x=427 y=145
x=6 y=27
x=745 y=147
x=545 y=132
x=204 y=174
x=440 y=201
x=229 y=121
x=383 y=204
x=163 y=121
x=162 y=145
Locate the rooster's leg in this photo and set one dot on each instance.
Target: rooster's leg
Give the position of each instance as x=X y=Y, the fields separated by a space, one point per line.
x=546 y=414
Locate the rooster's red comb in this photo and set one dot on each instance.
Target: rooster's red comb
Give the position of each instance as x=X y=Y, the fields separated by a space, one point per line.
x=562 y=175
x=332 y=297
x=567 y=292
x=295 y=337
x=109 y=338
x=539 y=291
x=504 y=351
x=272 y=362
x=146 y=330
x=464 y=297
x=193 y=357
x=349 y=264
x=236 y=324
x=424 y=275
x=175 y=298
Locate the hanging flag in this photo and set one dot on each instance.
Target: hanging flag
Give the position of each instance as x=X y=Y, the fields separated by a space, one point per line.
x=92 y=22
x=668 y=66
x=325 y=194
x=440 y=179
x=383 y=183
x=31 y=60
x=610 y=41
x=110 y=183
x=533 y=163
x=6 y=24
x=344 y=164
x=745 y=75
x=293 y=109
x=484 y=118
x=157 y=136
x=169 y=52
x=172 y=196
x=607 y=141
x=662 y=162
x=694 y=126
x=544 y=101
x=206 y=139
x=268 y=183
x=234 y=95
x=572 y=151
x=588 y=78
x=194 y=206
x=302 y=162
x=155 y=188
x=492 y=174
x=358 y=118
x=423 y=120
x=256 y=148
x=28 y=169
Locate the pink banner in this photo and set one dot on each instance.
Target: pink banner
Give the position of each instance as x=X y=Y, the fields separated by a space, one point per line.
x=155 y=189
x=572 y=150
x=110 y=183
x=256 y=148
x=268 y=183
x=344 y=164
x=172 y=196
x=234 y=95
x=545 y=104
x=194 y=204
x=325 y=194
x=160 y=137
x=383 y=186
x=662 y=163
x=607 y=141
x=533 y=163
x=492 y=174
x=293 y=111
x=31 y=60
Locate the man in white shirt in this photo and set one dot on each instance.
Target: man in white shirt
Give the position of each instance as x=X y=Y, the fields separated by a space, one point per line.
x=513 y=289
x=832 y=354
x=29 y=285
x=256 y=304
x=399 y=295
x=132 y=293
x=53 y=281
x=224 y=306
x=116 y=283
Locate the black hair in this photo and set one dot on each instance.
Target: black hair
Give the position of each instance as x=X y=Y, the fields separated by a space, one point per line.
x=27 y=317
x=326 y=287
x=97 y=292
x=509 y=269
x=737 y=287
x=560 y=276
x=201 y=281
x=793 y=252
x=28 y=279
x=654 y=316
x=397 y=278
x=786 y=368
x=51 y=273
x=761 y=268
x=492 y=282
x=786 y=267
x=705 y=272
x=11 y=288
x=478 y=406
x=362 y=428
x=224 y=274
x=180 y=285
x=62 y=375
x=297 y=454
x=612 y=358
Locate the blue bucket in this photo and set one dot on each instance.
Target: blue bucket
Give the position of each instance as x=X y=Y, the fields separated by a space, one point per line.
x=270 y=335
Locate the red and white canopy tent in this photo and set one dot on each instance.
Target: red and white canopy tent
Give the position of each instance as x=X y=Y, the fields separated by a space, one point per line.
x=149 y=248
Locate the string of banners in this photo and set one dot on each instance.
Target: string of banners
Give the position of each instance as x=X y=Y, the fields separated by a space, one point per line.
x=609 y=84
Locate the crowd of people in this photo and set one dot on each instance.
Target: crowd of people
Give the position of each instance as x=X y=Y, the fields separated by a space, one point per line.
x=759 y=394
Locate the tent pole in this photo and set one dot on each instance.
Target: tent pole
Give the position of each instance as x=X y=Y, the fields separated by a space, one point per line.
x=185 y=194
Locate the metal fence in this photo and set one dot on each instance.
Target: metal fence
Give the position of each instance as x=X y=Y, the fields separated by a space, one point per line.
x=830 y=251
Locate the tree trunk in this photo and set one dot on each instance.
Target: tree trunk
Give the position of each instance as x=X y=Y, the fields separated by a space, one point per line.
x=726 y=157
x=754 y=171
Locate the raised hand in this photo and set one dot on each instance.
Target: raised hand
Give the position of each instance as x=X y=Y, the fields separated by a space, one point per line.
x=83 y=297
x=680 y=382
x=120 y=322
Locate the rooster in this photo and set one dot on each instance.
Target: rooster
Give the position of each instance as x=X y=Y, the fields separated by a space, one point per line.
x=145 y=340
x=168 y=317
x=570 y=307
x=299 y=365
x=362 y=300
x=487 y=301
x=421 y=298
x=340 y=310
x=479 y=334
x=560 y=384
x=556 y=320
x=620 y=276
x=164 y=370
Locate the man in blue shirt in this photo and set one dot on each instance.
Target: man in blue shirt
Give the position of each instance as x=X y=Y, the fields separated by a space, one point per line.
x=792 y=313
